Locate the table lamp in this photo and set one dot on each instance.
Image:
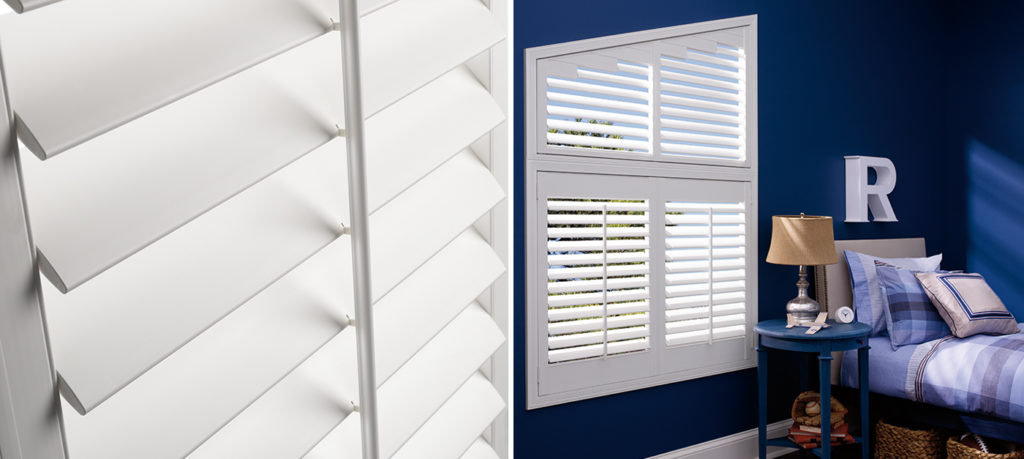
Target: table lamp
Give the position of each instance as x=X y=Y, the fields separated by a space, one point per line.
x=802 y=240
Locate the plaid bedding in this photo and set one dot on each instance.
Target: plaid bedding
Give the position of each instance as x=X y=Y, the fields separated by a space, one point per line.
x=979 y=374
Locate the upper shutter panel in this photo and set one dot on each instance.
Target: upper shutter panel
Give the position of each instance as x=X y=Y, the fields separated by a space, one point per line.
x=597 y=103
x=598 y=277
x=680 y=99
x=702 y=95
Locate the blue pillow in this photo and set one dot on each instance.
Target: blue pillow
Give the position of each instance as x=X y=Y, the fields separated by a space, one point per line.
x=867 y=295
x=910 y=316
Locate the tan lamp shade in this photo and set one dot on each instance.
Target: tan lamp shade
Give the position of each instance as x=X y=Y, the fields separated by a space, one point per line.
x=802 y=240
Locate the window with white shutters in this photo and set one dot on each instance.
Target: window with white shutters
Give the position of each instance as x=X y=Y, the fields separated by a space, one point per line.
x=641 y=198
x=187 y=174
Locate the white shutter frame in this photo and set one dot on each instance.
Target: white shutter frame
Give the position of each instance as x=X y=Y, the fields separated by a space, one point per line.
x=602 y=167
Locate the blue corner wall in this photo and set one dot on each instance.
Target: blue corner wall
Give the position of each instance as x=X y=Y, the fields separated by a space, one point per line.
x=986 y=141
x=835 y=78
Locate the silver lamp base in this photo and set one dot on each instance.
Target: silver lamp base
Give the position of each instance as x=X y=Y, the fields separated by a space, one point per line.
x=802 y=310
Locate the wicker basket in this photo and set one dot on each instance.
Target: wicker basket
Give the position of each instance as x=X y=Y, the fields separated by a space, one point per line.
x=957 y=450
x=893 y=441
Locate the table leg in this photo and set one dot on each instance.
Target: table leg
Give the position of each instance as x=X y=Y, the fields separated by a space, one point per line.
x=825 y=381
x=762 y=400
x=864 y=386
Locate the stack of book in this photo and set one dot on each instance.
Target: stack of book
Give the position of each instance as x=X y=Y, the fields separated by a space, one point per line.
x=808 y=437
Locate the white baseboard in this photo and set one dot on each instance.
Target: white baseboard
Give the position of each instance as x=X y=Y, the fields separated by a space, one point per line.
x=741 y=445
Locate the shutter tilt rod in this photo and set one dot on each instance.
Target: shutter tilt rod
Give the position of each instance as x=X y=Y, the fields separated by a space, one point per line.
x=359 y=212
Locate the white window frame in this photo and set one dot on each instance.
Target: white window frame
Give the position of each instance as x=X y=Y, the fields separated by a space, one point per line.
x=551 y=384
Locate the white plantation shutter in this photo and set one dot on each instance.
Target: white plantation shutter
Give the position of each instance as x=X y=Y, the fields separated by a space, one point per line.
x=189 y=201
x=705 y=271
x=710 y=273
x=596 y=278
x=598 y=282
x=641 y=196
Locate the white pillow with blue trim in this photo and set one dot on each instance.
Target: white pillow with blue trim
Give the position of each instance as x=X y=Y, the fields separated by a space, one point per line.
x=968 y=304
x=867 y=292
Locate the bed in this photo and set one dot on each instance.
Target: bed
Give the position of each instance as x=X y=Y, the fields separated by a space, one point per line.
x=973 y=384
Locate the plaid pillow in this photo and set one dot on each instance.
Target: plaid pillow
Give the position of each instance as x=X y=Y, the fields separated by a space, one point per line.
x=910 y=316
x=867 y=296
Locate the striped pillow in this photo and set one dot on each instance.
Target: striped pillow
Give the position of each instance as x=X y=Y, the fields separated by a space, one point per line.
x=910 y=316
x=867 y=296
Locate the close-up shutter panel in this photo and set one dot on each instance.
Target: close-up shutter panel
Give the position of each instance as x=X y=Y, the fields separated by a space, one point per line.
x=189 y=194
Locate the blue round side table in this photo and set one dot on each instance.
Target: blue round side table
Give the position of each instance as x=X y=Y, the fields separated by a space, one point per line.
x=773 y=334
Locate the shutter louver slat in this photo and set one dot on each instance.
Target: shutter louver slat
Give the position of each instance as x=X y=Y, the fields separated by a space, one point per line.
x=669 y=76
x=445 y=34
x=704 y=293
x=451 y=112
x=480 y=450
x=420 y=306
x=294 y=415
x=43 y=51
x=421 y=388
x=154 y=302
x=457 y=424
x=466 y=188
x=703 y=71
x=729 y=108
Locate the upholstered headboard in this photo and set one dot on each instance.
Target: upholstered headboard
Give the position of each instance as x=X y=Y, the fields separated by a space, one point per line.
x=832 y=282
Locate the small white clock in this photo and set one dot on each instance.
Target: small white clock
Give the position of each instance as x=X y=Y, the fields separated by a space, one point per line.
x=845 y=315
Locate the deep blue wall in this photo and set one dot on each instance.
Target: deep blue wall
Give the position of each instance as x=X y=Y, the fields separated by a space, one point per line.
x=835 y=78
x=986 y=141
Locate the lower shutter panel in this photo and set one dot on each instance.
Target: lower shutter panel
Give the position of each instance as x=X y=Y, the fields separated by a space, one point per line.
x=599 y=277
x=705 y=279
